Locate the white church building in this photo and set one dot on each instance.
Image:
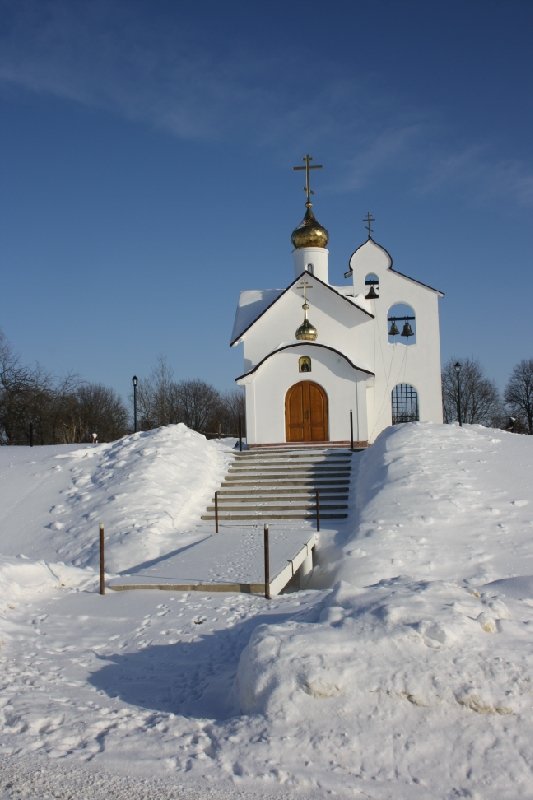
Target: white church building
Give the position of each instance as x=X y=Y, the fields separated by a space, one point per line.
x=328 y=363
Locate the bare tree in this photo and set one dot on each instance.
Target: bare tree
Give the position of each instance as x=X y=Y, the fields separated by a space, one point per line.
x=519 y=393
x=100 y=410
x=480 y=399
x=199 y=405
x=25 y=397
x=157 y=398
x=60 y=411
x=232 y=411
x=161 y=400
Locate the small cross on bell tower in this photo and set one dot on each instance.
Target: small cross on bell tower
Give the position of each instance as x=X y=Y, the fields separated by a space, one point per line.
x=369 y=219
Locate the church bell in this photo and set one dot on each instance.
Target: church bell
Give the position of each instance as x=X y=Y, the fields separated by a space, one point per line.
x=393 y=329
x=407 y=330
x=372 y=294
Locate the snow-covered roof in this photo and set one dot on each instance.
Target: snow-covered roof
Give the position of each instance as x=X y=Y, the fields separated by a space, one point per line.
x=253 y=303
x=305 y=344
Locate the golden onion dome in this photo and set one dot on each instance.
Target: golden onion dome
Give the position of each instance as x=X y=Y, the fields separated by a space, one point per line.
x=309 y=232
x=306 y=332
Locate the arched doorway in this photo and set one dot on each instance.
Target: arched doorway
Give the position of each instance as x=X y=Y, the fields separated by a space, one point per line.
x=306 y=413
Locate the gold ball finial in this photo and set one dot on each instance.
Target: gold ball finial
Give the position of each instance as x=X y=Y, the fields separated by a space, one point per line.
x=309 y=233
x=306 y=332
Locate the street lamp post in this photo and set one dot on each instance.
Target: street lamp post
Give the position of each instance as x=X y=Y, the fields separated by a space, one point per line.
x=134 y=381
x=457 y=368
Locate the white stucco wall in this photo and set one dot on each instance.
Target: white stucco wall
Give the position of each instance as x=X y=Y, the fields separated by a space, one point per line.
x=393 y=363
x=337 y=321
x=267 y=387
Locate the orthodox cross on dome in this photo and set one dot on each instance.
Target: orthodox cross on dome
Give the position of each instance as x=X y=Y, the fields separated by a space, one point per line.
x=308 y=167
x=304 y=285
x=369 y=219
x=306 y=332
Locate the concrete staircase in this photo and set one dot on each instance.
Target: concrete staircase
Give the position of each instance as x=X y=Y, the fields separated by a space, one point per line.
x=281 y=483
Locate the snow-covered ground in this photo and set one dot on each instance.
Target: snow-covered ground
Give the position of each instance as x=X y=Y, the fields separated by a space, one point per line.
x=404 y=673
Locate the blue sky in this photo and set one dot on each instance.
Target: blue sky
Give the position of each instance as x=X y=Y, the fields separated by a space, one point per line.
x=146 y=153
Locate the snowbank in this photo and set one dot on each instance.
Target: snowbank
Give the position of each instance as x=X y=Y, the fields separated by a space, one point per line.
x=145 y=489
x=419 y=665
x=409 y=677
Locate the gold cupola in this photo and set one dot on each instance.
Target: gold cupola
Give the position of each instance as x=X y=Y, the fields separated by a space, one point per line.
x=309 y=232
x=306 y=332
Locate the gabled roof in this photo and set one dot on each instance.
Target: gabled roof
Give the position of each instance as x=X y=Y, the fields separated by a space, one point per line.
x=304 y=344
x=414 y=280
x=370 y=239
x=396 y=272
x=265 y=301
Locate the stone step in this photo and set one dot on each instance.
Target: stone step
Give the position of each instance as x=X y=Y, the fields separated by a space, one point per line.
x=315 y=459
x=311 y=507
x=281 y=484
x=288 y=473
x=326 y=492
x=297 y=480
x=268 y=516
x=292 y=468
x=316 y=452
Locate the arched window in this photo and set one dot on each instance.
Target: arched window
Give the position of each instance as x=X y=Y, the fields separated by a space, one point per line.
x=404 y=403
x=304 y=364
x=401 y=321
x=371 y=286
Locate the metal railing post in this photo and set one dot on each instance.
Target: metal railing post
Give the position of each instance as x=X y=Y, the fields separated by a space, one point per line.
x=267 y=562
x=351 y=430
x=216 y=512
x=102 y=560
x=317 y=509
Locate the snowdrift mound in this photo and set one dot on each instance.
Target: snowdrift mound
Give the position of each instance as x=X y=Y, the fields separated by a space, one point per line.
x=145 y=488
x=424 y=637
x=23 y=581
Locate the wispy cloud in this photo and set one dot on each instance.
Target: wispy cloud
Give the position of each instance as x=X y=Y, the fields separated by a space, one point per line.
x=110 y=56
x=479 y=170
x=171 y=73
x=390 y=149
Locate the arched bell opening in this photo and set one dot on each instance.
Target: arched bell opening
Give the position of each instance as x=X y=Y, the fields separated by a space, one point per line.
x=404 y=404
x=401 y=322
x=371 y=286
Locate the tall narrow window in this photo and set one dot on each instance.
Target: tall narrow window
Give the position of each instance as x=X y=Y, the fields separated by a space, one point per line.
x=404 y=403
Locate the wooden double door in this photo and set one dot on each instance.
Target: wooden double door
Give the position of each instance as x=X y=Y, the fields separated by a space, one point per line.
x=306 y=413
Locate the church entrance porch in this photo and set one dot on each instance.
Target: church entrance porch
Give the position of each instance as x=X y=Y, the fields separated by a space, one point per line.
x=306 y=413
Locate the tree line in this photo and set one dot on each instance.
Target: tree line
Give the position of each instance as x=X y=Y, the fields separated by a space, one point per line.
x=162 y=400
x=38 y=408
x=470 y=390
